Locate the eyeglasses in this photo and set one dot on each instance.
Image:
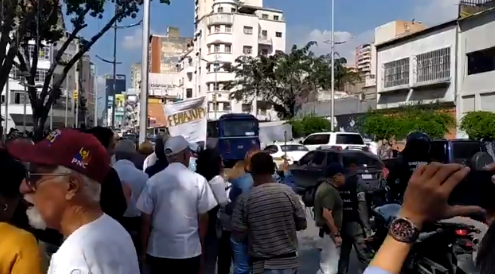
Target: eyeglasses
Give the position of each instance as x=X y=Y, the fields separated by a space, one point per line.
x=34 y=179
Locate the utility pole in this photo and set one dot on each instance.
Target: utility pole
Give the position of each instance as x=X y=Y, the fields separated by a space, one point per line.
x=143 y=99
x=332 y=67
x=115 y=63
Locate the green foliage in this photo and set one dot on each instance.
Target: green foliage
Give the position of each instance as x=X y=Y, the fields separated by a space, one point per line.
x=398 y=123
x=42 y=22
x=306 y=125
x=479 y=125
x=285 y=80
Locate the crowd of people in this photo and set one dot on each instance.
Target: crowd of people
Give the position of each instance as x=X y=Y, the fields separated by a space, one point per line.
x=83 y=201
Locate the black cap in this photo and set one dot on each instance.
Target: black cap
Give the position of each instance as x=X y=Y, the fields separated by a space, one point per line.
x=334 y=169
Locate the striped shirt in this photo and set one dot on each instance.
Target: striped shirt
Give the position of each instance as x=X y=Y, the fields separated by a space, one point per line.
x=270 y=214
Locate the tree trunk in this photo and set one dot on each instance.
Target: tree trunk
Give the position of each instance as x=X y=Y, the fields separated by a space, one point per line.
x=39 y=127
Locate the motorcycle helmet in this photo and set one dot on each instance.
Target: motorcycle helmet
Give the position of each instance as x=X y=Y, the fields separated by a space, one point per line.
x=417 y=142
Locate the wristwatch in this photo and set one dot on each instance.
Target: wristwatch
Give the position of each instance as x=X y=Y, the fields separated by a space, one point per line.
x=403 y=230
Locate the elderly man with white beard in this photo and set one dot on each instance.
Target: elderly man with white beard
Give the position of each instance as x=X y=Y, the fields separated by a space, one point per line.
x=65 y=173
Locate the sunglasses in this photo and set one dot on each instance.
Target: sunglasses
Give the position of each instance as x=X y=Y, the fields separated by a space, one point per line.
x=34 y=179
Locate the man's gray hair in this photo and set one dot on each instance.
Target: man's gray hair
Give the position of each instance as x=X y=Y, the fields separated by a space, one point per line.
x=91 y=189
x=125 y=150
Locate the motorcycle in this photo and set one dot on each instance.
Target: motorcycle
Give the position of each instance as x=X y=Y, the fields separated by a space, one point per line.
x=442 y=247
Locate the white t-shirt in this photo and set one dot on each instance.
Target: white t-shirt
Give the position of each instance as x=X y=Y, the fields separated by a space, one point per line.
x=100 y=247
x=149 y=161
x=175 y=197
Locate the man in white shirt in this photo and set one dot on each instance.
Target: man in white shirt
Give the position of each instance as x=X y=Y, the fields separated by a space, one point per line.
x=66 y=170
x=174 y=220
x=125 y=153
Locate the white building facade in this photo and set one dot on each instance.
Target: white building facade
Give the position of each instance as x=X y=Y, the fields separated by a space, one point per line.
x=476 y=66
x=19 y=111
x=225 y=30
x=419 y=67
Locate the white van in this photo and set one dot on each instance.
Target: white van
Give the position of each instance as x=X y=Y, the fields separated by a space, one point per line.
x=343 y=139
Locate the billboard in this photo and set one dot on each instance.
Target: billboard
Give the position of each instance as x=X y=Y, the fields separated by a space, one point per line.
x=161 y=84
x=119 y=104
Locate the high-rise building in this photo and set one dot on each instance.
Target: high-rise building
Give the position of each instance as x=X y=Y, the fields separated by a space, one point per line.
x=135 y=75
x=166 y=50
x=86 y=87
x=363 y=58
x=225 y=30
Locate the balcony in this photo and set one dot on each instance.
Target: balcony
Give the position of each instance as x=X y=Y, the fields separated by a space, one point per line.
x=219 y=38
x=264 y=40
x=220 y=19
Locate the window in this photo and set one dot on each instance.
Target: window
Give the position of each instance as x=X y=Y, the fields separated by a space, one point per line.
x=237 y=128
x=307 y=158
x=43 y=53
x=276 y=17
x=396 y=73
x=433 y=65
x=271 y=149
x=463 y=151
x=438 y=152
x=248 y=30
x=319 y=158
x=278 y=34
x=361 y=160
x=264 y=33
x=233 y=10
x=220 y=9
x=349 y=139
x=217 y=29
x=189 y=93
x=228 y=29
x=227 y=107
x=217 y=48
x=247 y=49
x=481 y=61
x=264 y=52
x=247 y=108
x=317 y=139
x=214 y=86
x=264 y=16
x=332 y=157
x=228 y=48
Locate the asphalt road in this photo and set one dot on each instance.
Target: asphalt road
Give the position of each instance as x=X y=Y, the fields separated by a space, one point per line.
x=309 y=255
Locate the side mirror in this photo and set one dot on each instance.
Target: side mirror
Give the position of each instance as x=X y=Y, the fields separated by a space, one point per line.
x=301 y=142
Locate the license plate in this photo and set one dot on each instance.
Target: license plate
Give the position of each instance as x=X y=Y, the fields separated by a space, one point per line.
x=367 y=176
x=240 y=147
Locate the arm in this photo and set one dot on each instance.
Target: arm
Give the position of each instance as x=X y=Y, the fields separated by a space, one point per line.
x=29 y=259
x=218 y=185
x=328 y=205
x=146 y=205
x=299 y=213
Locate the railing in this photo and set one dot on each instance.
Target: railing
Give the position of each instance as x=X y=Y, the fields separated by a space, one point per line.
x=264 y=40
x=470 y=7
x=220 y=18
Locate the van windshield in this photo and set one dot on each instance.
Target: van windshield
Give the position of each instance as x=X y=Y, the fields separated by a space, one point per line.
x=239 y=128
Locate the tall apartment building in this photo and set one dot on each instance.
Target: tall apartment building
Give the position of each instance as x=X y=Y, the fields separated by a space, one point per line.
x=225 y=30
x=135 y=75
x=363 y=58
x=166 y=50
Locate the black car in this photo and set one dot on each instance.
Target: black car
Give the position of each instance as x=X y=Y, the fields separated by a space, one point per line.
x=458 y=151
x=311 y=167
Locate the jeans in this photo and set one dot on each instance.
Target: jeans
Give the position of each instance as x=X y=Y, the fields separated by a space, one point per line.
x=224 y=254
x=241 y=257
x=329 y=256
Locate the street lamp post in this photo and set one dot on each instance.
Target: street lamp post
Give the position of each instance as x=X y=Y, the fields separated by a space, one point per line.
x=115 y=63
x=332 y=76
x=143 y=100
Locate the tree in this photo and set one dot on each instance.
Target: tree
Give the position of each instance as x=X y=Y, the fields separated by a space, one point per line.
x=396 y=124
x=40 y=23
x=285 y=80
x=479 y=125
x=303 y=126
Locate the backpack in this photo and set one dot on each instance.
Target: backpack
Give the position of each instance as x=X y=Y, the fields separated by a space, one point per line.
x=309 y=195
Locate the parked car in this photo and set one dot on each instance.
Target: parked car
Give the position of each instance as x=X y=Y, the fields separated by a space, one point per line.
x=279 y=151
x=311 y=167
x=341 y=139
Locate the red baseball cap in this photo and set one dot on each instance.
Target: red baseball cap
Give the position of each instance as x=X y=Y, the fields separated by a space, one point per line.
x=70 y=148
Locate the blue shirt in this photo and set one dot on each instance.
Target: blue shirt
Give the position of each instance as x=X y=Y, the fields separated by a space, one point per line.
x=136 y=179
x=375 y=270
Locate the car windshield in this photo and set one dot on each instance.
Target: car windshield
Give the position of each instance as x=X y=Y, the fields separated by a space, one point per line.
x=463 y=151
x=360 y=159
x=287 y=148
x=239 y=128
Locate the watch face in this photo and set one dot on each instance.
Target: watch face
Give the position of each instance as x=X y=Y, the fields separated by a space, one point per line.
x=403 y=230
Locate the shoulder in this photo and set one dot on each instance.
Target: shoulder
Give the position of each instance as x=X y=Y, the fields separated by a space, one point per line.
x=17 y=238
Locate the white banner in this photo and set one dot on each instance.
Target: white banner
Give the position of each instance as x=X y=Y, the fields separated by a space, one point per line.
x=187 y=118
